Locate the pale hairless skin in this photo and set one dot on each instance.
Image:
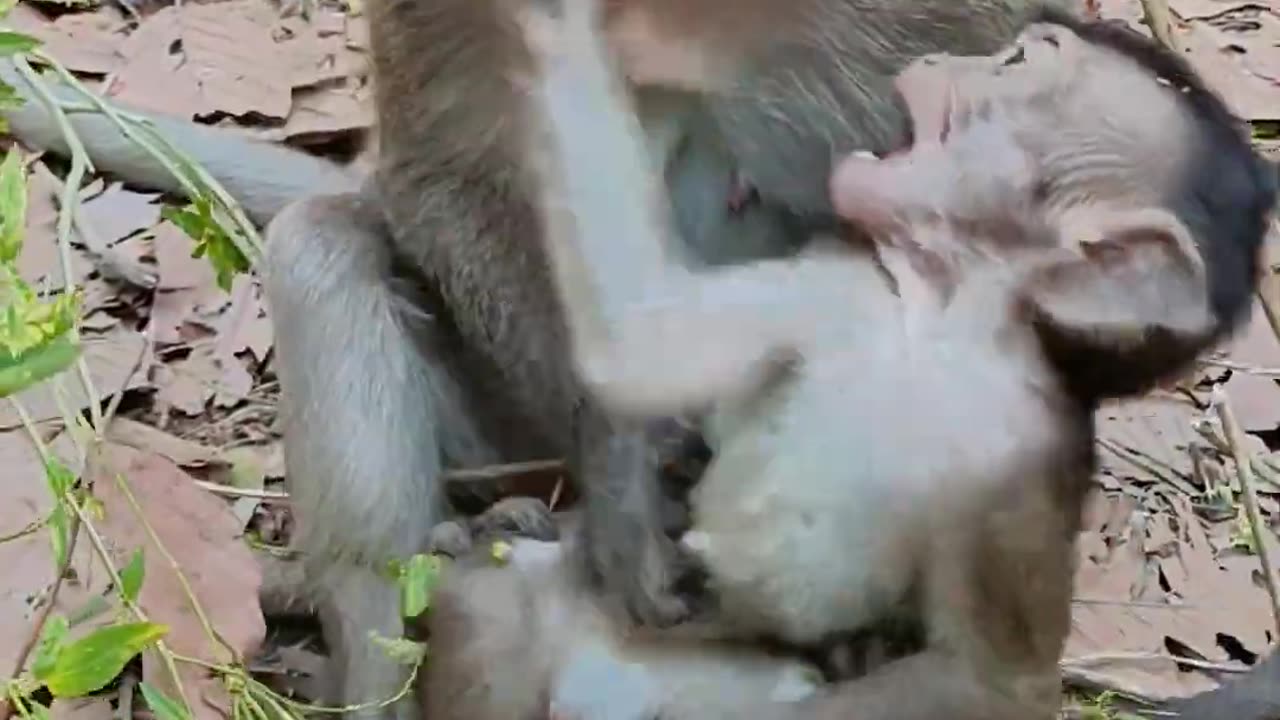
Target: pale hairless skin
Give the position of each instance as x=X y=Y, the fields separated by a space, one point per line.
x=919 y=438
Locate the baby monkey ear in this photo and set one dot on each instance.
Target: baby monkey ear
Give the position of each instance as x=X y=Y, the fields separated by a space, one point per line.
x=1126 y=311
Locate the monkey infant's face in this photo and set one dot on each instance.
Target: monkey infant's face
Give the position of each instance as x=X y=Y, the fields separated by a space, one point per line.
x=1026 y=127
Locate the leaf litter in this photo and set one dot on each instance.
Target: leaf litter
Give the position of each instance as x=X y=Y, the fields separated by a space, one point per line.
x=1167 y=593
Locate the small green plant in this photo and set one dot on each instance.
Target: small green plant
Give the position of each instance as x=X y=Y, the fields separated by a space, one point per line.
x=39 y=340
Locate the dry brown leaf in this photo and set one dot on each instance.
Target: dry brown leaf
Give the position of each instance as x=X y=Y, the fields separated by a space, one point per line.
x=28 y=561
x=86 y=42
x=1255 y=399
x=140 y=436
x=245 y=325
x=1127 y=10
x=1212 y=52
x=91 y=708
x=118 y=213
x=188 y=384
x=1204 y=9
x=169 y=314
x=39 y=261
x=181 y=390
x=177 y=269
x=205 y=541
x=99 y=322
x=358 y=33
x=1147 y=439
x=1225 y=597
x=318 y=51
x=196 y=60
x=110 y=358
x=328 y=110
x=1109 y=624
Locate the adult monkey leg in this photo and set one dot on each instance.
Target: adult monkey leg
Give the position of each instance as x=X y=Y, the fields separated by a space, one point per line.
x=367 y=397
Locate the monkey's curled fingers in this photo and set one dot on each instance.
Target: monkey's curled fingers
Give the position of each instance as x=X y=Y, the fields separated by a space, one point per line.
x=516 y=516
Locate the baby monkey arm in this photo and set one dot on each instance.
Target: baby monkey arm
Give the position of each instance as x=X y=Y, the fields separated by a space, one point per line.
x=628 y=300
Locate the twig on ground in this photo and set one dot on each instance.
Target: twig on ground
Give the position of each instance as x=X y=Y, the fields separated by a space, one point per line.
x=1244 y=470
x=1157 y=16
x=497 y=472
x=1240 y=367
x=114 y=404
x=113 y=265
x=235 y=492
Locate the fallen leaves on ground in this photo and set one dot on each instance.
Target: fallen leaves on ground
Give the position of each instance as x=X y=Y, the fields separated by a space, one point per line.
x=205 y=540
x=1161 y=572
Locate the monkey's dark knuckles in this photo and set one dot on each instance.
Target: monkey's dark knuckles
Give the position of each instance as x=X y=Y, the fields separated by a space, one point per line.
x=516 y=516
x=450 y=538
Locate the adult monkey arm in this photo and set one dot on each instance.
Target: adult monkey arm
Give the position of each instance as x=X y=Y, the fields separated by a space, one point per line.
x=263 y=177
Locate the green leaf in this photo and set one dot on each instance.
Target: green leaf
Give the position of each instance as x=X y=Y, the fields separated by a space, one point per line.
x=59 y=533
x=20 y=372
x=13 y=206
x=50 y=647
x=402 y=651
x=38 y=711
x=131 y=577
x=12 y=43
x=88 y=664
x=59 y=478
x=9 y=100
x=421 y=575
x=212 y=240
x=165 y=707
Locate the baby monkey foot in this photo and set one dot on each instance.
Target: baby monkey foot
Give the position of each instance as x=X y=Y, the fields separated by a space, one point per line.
x=670 y=588
x=511 y=517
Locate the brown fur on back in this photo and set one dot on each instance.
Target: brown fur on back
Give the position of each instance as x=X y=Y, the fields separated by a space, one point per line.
x=450 y=117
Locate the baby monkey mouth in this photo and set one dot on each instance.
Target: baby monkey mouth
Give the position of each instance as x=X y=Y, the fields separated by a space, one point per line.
x=925 y=110
x=906 y=134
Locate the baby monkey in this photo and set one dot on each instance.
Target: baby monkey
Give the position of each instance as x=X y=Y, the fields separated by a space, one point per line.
x=907 y=428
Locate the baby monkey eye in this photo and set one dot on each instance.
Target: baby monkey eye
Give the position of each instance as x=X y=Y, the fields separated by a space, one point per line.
x=1019 y=55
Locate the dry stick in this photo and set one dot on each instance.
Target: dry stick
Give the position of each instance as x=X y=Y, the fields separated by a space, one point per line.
x=1244 y=470
x=1245 y=368
x=465 y=475
x=497 y=472
x=113 y=264
x=228 y=491
x=80 y=165
x=1157 y=16
x=114 y=404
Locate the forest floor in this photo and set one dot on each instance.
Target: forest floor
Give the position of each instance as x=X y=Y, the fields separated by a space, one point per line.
x=1169 y=589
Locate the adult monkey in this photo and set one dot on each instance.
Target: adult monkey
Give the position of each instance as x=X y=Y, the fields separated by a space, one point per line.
x=1036 y=223
x=446 y=226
